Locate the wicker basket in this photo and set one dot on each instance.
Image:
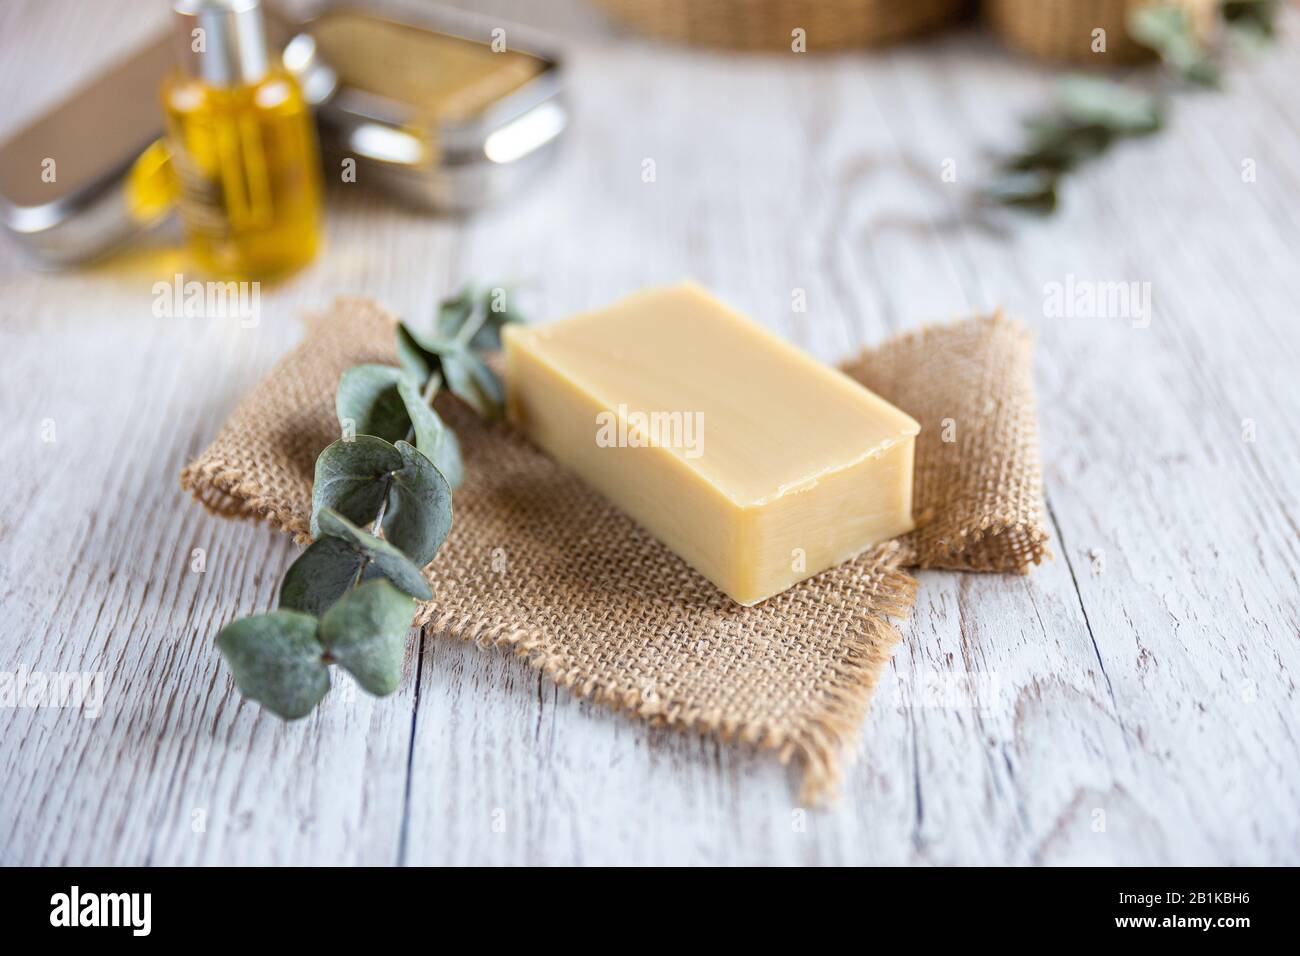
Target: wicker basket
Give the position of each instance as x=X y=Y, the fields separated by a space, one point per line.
x=1062 y=29
x=770 y=24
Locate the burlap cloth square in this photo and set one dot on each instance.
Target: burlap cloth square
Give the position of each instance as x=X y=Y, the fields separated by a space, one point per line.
x=540 y=563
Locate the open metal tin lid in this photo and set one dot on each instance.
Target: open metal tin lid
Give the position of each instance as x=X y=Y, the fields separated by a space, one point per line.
x=447 y=108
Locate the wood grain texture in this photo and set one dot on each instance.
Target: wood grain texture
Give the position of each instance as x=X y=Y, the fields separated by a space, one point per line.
x=1133 y=701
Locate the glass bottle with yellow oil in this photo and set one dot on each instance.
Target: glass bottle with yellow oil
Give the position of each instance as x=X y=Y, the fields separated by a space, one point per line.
x=243 y=144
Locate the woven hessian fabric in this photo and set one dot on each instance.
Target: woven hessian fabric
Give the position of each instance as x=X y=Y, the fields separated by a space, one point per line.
x=1063 y=29
x=540 y=564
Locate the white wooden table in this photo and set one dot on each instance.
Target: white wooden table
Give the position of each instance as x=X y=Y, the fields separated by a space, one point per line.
x=1133 y=701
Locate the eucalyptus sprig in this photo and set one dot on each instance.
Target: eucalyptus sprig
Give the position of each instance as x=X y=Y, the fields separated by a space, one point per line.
x=381 y=509
x=1091 y=114
x=1193 y=40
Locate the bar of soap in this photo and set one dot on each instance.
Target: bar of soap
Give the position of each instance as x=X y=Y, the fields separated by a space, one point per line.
x=754 y=462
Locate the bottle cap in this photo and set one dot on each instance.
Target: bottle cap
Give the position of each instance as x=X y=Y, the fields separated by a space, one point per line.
x=221 y=42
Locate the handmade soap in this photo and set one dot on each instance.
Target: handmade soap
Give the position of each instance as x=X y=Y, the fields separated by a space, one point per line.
x=755 y=463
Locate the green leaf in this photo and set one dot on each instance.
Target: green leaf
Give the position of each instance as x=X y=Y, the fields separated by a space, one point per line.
x=1093 y=101
x=418 y=516
x=387 y=403
x=356 y=478
x=276 y=660
x=454 y=311
x=352 y=477
x=1252 y=24
x=428 y=347
x=368 y=395
x=365 y=633
x=1168 y=29
x=414 y=359
x=323 y=573
x=432 y=437
x=470 y=380
x=1031 y=191
x=494 y=313
x=384 y=559
x=467 y=320
x=1058 y=146
x=1091 y=115
x=467 y=323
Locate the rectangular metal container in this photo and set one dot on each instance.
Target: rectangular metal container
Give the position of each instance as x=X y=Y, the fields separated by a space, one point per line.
x=443 y=156
x=372 y=105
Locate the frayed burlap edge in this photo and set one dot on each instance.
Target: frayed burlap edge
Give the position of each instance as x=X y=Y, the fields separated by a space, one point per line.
x=228 y=492
x=818 y=743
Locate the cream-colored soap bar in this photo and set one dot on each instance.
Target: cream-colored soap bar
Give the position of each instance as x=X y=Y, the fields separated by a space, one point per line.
x=754 y=462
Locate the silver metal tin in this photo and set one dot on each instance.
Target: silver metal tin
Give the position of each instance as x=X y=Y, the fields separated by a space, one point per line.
x=441 y=166
x=93 y=137
x=96 y=135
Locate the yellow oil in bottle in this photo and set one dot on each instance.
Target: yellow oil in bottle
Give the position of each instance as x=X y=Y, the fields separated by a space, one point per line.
x=151 y=188
x=243 y=146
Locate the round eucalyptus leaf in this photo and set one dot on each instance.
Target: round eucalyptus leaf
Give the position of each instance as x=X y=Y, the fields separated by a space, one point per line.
x=385 y=560
x=322 y=574
x=276 y=660
x=470 y=380
x=418 y=515
x=352 y=477
x=435 y=439
x=368 y=396
x=365 y=633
